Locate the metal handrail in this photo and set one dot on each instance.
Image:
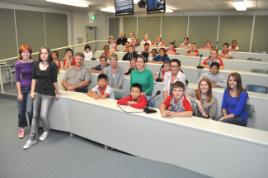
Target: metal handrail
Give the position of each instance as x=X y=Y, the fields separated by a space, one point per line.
x=16 y=57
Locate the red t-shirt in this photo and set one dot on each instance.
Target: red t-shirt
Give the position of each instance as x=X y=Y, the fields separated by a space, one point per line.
x=73 y=63
x=141 y=102
x=186 y=104
x=195 y=52
x=208 y=61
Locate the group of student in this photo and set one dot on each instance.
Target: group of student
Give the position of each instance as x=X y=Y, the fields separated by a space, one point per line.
x=37 y=88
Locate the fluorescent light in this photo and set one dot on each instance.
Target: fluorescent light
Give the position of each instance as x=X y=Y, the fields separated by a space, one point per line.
x=109 y=9
x=136 y=1
x=240 y=5
x=76 y=3
x=169 y=9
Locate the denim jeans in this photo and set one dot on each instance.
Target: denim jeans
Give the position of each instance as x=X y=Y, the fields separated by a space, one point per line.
x=41 y=108
x=25 y=106
x=236 y=121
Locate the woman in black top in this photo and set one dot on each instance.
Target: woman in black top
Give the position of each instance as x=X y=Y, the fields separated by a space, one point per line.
x=43 y=90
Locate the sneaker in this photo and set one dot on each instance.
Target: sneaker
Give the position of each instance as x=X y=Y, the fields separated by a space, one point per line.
x=43 y=136
x=21 y=133
x=29 y=143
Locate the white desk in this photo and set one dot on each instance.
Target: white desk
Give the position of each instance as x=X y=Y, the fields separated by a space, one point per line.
x=192 y=73
x=258 y=100
x=205 y=146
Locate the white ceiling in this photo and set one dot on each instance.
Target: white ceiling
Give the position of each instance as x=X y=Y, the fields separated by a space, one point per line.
x=178 y=5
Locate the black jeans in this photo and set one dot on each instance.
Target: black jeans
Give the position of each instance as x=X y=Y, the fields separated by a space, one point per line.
x=25 y=106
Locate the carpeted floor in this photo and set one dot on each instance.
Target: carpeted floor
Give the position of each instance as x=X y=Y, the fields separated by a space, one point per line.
x=62 y=156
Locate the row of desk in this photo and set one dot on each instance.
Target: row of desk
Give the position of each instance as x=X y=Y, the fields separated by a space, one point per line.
x=235 y=54
x=258 y=100
x=191 y=72
x=229 y=64
x=212 y=148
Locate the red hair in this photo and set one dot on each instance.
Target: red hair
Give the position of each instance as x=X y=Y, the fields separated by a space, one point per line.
x=25 y=47
x=209 y=93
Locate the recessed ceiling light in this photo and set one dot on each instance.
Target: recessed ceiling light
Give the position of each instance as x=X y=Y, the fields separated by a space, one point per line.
x=76 y=3
x=109 y=9
x=240 y=5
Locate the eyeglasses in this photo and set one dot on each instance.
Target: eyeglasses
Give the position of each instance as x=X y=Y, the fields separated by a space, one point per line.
x=174 y=66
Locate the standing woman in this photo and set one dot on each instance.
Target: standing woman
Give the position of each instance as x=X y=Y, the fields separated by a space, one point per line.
x=234 y=101
x=143 y=76
x=206 y=102
x=23 y=70
x=43 y=90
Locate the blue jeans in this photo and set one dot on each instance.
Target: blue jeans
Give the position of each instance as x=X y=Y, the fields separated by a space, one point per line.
x=236 y=121
x=41 y=108
x=25 y=106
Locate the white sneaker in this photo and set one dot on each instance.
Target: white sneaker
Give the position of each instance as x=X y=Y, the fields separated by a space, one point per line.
x=43 y=136
x=29 y=143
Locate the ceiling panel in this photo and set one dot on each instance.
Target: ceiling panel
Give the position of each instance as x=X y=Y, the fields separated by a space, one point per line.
x=178 y=5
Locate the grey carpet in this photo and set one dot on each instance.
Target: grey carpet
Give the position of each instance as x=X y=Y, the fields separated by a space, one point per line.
x=62 y=156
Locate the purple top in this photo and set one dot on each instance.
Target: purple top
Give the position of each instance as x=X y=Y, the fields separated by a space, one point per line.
x=24 y=72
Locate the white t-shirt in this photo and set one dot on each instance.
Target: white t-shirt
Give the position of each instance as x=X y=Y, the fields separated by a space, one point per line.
x=167 y=79
x=88 y=55
x=108 y=91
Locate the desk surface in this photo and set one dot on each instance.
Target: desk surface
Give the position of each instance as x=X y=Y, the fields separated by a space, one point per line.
x=229 y=130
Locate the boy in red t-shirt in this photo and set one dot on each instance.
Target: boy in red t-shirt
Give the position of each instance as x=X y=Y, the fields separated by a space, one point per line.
x=136 y=99
x=176 y=105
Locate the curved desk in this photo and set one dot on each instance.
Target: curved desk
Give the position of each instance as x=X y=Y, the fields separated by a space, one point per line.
x=205 y=146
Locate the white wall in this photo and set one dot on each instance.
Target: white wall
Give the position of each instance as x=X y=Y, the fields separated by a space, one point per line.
x=80 y=21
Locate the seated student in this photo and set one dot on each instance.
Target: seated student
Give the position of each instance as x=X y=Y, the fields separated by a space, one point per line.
x=107 y=53
x=171 y=49
x=161 y=57
x=102 y=90
x=152 y=55
x=145 y=40
x=175 y=74
x=132 y=39
x=176 y=105
x=146 y=52
x=115 y=74
x=208 y=46
x=159 y=42
x=193 y=50
x=77 y=78
x=112 y=44
x=213 y=58
x=122 y=39
x=225 y=51
x=216 y=79
x=55 y=59
x=206 y=102
x=130 y=54
x=132 y=65
x=234 y=46
x=186 y=43
x=87 y=52
x=234 y=101
x=103 y=64
x=143 y=76
x=136 y=99
x=68 y=60
x=165 y=68
x=127 y=46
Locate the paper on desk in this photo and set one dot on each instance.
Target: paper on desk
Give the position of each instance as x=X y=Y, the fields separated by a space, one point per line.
x=129 y=109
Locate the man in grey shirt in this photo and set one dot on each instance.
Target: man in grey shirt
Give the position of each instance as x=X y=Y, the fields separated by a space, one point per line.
x=77 y=78
x=216 y=79
x=115 y=74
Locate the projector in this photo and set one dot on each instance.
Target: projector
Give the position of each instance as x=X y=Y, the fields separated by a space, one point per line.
x=142 y=3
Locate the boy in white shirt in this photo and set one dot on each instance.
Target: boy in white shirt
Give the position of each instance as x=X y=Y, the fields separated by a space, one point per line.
x=102 y=90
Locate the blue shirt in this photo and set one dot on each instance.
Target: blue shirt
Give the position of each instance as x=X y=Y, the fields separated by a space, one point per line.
x=236 y=105
x=160 y=58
